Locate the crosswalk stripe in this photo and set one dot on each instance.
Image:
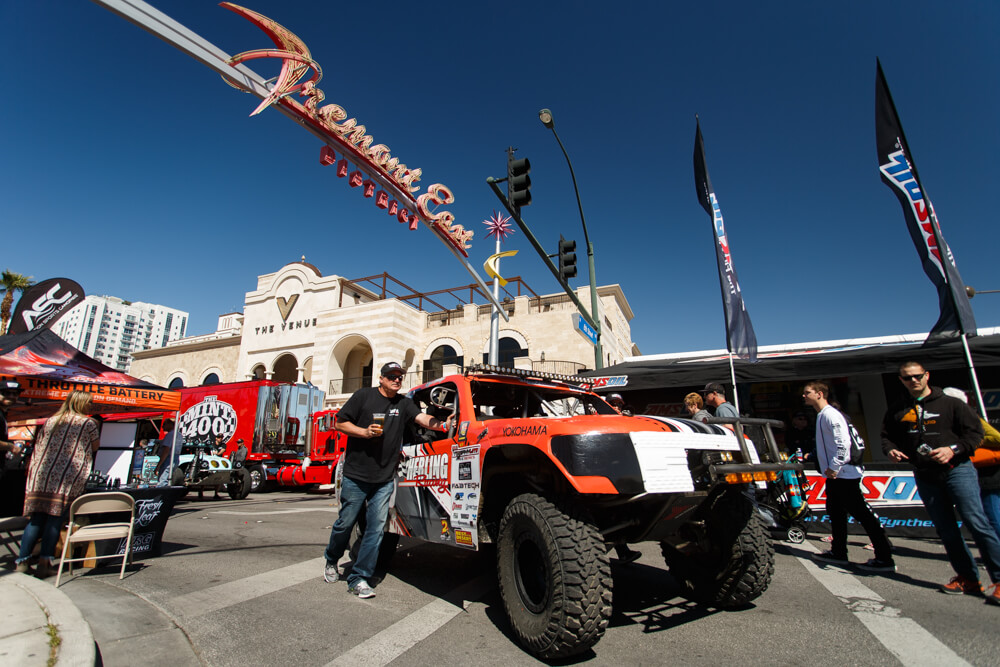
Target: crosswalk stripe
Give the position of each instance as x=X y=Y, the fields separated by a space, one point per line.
x=387 y=645
x=903 y=637
x=219 y=597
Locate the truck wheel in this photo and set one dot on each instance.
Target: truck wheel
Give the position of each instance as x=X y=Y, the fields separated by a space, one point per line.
x=177 y=479
x=239 y=487
x=258 y=479
x=555 y=578
x=736 y=565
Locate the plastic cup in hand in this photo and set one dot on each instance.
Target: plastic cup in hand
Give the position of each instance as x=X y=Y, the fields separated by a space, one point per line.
x=378 y=421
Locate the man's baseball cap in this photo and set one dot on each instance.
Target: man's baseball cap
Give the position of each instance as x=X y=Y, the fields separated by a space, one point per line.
x=391 y=368
x=10 y=386
x=614 y=399
x=713 y=388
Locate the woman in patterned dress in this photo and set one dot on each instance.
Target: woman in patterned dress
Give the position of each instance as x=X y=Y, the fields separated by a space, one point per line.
x=57 y=474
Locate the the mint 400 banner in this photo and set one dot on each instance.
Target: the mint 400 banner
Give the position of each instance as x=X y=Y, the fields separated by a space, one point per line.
x=891 y=491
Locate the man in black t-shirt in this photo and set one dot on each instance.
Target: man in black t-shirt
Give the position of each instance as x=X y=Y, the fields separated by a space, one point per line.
x=370 y=463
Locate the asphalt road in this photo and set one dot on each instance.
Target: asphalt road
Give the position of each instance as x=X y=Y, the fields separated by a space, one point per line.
x=240 y=583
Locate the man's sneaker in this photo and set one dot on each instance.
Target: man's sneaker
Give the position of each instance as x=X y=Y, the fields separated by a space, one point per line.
x=993 y=594
x=876 y=565
x=830 y=557
x=959 y=585
x=331 y=574
x=362 y=589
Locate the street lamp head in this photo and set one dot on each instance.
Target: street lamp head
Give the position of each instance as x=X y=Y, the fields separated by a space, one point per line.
x=546 y=117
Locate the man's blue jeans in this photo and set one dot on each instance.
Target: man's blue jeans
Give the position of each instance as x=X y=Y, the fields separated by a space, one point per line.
x=959 y=489
x=353 y=495
x=991 y=504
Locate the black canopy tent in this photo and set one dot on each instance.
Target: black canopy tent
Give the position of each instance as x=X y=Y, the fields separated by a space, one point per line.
x=791 y=365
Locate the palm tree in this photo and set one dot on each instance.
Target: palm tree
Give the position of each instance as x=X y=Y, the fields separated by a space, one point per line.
x=10 y=282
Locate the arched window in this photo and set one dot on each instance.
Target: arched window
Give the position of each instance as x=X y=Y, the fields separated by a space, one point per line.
x=507 y=349
x=211 y=378
x=441 y=356
x=176 y=383
x=258 y=372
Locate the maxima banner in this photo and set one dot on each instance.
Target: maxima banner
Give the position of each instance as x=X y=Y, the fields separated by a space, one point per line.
x=44 y=303
x=740 y=336
x=899 y=173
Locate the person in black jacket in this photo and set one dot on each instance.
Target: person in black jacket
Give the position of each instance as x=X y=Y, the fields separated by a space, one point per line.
x=936 y=434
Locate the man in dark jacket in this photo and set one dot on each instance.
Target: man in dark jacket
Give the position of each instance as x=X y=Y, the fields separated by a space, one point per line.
x=937 y=434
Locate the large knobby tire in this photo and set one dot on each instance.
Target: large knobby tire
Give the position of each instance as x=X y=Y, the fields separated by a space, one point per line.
x=738 y=564
x=555 y=577
x=239 y=487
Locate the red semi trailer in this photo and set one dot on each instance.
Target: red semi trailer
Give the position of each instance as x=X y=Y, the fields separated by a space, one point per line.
x=289 y=437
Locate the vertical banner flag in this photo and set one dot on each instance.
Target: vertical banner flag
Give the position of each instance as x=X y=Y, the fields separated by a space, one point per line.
x=739 y=331
x=43 y=303
x=899 y=173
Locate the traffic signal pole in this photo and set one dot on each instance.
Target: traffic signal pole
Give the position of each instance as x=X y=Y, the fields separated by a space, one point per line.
x=516 y=216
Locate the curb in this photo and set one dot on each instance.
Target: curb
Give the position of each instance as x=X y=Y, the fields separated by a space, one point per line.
x=77 y=645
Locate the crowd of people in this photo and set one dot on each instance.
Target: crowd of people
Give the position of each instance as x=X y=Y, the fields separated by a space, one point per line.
x=954 y=453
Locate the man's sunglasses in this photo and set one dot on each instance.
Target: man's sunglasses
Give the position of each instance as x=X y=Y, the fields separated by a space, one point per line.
x=918 y=376
x=394 y=378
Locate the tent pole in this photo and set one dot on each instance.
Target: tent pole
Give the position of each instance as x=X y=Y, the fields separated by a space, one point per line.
x=972 y=372
x=732 y=375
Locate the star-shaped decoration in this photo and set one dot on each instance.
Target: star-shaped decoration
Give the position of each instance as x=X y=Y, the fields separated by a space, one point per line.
x=498 y=226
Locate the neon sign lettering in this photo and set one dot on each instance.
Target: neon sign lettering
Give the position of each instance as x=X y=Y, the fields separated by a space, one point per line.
x=346 y=134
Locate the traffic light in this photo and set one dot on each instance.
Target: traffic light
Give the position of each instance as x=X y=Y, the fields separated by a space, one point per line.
x=518 y=181
x=567 y=259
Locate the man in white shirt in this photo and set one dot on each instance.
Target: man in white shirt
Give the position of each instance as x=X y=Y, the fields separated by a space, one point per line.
x=843 y=484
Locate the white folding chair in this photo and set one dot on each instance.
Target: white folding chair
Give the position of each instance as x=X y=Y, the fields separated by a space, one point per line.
x=99 y=503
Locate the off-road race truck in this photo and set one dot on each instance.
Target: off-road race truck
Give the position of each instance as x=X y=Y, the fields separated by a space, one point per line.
x=553 y=476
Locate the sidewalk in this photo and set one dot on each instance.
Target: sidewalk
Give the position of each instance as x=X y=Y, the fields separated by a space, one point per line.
x=34 y=616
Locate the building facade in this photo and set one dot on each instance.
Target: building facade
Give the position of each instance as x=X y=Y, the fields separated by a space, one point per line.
x=301 y=326
x=110 y=329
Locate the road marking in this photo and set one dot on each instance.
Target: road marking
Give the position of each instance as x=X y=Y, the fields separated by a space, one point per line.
x=387 y=645
x=294 y=511
x=219 y=597
x=903 y=637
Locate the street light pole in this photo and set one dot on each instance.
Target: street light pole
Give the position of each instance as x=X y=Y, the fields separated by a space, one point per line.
x=546 y=117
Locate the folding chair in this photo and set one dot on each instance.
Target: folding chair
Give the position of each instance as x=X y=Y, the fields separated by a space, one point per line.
x=8 y=525
x=99 y=503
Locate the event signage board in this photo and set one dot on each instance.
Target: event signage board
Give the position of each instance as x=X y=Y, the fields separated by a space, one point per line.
x=891 y=491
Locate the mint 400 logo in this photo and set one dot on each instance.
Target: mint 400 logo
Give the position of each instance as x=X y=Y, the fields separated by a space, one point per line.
x=203 y=421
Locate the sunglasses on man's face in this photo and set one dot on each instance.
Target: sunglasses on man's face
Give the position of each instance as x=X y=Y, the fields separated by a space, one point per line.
x=394 y=378
x=912 y=378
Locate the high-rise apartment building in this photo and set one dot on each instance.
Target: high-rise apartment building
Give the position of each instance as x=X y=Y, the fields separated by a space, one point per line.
x=110 y=329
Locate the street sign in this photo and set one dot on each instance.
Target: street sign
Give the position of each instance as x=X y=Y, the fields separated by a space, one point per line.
x=581 y=327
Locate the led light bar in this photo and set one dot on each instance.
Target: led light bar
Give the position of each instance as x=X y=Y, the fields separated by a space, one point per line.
x=527 y=374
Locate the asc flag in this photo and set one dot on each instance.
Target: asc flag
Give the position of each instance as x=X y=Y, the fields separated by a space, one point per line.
x=42 y=304
x=740 y=337
x=899 y=172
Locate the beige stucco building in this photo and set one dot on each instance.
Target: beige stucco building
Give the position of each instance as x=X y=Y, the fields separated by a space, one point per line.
x=299 y=325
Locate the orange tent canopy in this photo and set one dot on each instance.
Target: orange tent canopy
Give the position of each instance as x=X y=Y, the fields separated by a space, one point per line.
x=48 y=368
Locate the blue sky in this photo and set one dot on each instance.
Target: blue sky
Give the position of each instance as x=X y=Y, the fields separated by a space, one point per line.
x=133 y=169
